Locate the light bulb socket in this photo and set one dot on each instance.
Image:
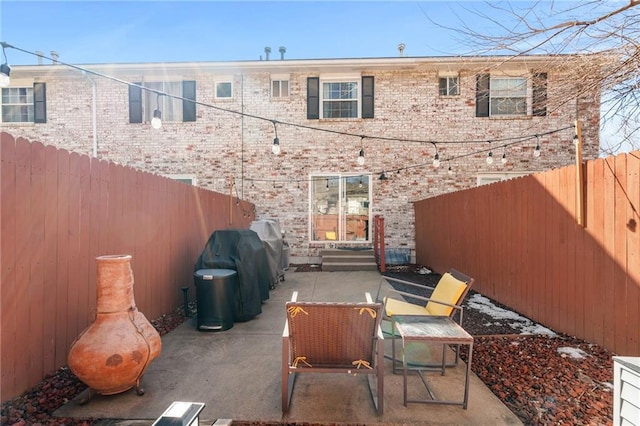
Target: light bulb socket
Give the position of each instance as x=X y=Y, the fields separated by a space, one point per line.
x=504 y=158
x=383 y=176
x=436 y=160
x=361 y=157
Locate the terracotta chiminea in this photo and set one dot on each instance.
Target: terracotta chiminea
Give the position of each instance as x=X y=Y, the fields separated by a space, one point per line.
x=111 y=355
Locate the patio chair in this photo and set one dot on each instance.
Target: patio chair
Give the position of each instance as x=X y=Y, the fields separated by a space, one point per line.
x=333 y=337
x=445 y=300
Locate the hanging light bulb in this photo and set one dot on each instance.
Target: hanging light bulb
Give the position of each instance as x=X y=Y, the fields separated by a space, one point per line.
x=361 y=157
x=383 y=176
x=450 y=171
x=5 y=69
x=275 y=148
x=575 y=140
x=504 y=158
x=436 y=160
x=536 y=151
x=360 y=184
x=489 y=158
x=156 y=121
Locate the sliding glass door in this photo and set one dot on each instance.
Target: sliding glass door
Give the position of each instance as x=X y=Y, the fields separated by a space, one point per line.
x=340 y=207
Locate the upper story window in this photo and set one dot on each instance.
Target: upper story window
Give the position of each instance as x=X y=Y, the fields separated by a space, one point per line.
x=502 y=96
x=224 y=89
x=171 y=107
x=508 y=96
x=174 y=108
x=279 y=88
x=24 y=104
x=449 y=85
x=348 y=98
x=17 y=105
x=340 y=99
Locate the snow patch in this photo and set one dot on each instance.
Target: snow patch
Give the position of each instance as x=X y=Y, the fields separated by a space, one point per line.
x=516 y=321
x=576 y=353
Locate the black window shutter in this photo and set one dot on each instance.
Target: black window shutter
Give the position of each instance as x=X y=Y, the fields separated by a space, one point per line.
x=135 y=103
x=482 y=95
x=39 y=102
x=367 y=96
x=539 y=101
x=188 y=108
x=313 y=98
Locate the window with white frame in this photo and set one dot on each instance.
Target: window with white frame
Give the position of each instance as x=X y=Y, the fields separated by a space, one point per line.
x=449 y=85
x=188 y=179
x=169 y=106
x=508 y=96
x=339 y=99
x=17 y=105
x=224 y=89
x=280 y=88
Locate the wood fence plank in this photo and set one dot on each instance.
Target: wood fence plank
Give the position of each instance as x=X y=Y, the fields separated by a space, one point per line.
x=608 y=269
x=73 y=243
x=87 y=291
x=37 y=259
x=49 y=306
x=632 y=227
x=63 y=338
x=619 y=276
x=9 y=350
x=23 y=261
x=566 y=305
x=572 y=294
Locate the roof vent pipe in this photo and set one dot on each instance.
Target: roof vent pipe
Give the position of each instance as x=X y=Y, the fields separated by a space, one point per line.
x=39 y=54
x=267 y=51
x=401 y=49
x=54 y=57
x=282 y=50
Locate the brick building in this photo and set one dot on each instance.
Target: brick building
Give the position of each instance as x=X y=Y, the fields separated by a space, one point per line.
x=399 y=112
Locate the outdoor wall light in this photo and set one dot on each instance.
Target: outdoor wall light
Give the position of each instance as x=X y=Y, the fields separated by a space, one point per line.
x=361 y=157
x=180 y=414
x=156 y=121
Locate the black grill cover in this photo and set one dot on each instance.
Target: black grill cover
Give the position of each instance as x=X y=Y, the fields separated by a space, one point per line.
x=243 y=251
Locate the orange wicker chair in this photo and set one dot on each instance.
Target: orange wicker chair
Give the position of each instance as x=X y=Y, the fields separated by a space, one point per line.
x=333 y=337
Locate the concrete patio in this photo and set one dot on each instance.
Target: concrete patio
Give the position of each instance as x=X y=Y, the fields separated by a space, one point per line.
x=237 y=374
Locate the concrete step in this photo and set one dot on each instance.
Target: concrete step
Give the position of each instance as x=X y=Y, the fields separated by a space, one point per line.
x=349 y=266
x=357 y=258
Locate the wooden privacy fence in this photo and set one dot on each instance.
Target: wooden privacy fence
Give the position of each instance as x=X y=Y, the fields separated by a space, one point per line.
x=520 y=239
x=60 y=210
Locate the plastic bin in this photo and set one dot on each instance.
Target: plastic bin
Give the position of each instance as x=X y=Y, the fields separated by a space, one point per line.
x=215 y=298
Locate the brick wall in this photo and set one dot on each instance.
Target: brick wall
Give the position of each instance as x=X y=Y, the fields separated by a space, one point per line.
x=219 y=144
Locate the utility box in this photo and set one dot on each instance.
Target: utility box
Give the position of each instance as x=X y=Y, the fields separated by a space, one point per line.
x=215 y=298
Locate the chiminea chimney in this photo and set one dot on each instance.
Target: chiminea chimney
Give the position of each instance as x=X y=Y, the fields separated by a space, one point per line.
x=282 y=50
x=267 y=51
x=54 y=57
x=401 y=48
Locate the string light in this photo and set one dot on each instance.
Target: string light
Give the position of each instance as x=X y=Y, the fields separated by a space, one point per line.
x=436 y=160
x=489 y=158
x=361 y=157
x=156 y=121
x=536 y=151
x=504 y=156
x=275 y=148
x=576 y=140
x=450 y=170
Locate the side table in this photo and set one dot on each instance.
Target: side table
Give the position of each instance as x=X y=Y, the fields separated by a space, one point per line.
x=419 y=328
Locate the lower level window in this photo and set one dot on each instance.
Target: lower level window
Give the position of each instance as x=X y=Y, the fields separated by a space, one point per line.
x=17 y=105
